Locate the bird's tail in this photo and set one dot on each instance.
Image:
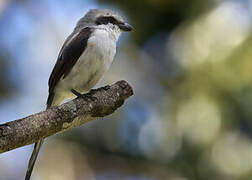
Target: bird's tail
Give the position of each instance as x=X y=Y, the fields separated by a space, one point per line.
x=37 y=145
x=33 y=158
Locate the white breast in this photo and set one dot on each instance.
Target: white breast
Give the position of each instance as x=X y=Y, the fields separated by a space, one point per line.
x=89 y=69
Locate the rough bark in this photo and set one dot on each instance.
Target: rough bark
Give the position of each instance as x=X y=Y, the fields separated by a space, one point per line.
x=97 y=103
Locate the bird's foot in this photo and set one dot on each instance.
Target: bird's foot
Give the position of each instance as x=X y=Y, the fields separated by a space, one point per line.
x=101 y=88
x=86 y=96
x=76 y=93
x=106 y=87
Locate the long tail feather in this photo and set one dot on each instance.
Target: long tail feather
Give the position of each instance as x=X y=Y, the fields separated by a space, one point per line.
x=33 y=158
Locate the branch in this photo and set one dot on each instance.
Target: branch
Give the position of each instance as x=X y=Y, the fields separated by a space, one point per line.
x=98 y=103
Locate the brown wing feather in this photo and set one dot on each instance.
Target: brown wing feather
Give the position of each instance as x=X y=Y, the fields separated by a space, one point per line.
x=69 y=54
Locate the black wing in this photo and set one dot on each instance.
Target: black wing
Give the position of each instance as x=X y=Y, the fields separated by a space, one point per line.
x=69 y=54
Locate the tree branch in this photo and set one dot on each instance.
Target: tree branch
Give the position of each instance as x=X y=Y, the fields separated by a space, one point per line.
x=98 y=103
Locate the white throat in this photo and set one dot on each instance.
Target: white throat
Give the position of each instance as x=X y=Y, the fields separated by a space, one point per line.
x=113 y=30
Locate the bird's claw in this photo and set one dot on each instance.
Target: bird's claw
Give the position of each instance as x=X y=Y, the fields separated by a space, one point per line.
x=86 y=96
x=105 y=88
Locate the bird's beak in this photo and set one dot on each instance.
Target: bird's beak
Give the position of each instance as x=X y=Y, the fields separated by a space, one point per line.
x=125 y=27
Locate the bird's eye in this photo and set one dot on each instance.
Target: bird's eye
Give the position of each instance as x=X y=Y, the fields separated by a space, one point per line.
x=106 y=20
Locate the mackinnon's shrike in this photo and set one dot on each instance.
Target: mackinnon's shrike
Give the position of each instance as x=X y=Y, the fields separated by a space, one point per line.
x=83 y=59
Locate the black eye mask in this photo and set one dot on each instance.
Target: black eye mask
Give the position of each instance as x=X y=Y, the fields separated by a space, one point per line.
x=107 y=19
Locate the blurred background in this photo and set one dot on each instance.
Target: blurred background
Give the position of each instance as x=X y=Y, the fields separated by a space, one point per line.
x=189 y=63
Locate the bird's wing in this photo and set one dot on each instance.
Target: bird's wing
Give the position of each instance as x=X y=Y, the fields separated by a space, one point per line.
x=69 y=54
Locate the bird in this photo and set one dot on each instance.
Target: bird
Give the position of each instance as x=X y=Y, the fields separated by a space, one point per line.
x=85 y=56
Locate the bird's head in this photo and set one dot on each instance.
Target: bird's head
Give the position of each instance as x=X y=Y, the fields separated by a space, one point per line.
x=104 y=17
